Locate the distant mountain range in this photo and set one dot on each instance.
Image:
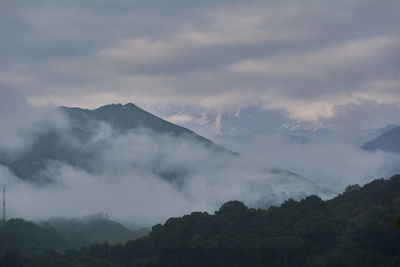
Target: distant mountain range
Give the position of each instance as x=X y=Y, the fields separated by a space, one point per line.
x=389 y=141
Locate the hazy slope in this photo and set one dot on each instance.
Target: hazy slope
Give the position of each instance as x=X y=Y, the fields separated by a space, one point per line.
x=93 y=229
x=389 y=141
x=62 y=234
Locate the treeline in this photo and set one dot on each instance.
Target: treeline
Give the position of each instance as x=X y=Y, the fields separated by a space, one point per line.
x=356 y=228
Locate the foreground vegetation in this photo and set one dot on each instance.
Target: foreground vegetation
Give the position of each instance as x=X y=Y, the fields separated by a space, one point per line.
x=357 y=228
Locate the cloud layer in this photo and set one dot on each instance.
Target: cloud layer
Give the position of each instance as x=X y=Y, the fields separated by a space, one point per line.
x=128 y=184
x=139 y=176
x=303 y=57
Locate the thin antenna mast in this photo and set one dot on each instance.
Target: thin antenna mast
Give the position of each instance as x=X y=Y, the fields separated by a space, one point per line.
x=4 y=205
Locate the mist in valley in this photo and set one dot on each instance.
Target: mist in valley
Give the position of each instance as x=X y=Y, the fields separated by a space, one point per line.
x=143 y=177
x=139 y=176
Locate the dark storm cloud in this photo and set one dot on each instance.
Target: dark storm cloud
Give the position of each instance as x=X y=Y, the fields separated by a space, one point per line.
x=305 y=57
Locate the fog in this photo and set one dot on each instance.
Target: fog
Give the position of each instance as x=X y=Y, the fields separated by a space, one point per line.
x=129 y=181
x=18 y=119
x=333 y=161
x=143 y=177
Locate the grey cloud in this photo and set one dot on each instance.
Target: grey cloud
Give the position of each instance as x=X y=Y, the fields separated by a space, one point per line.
x=18 y=118
x=303 y=57
x=364 y=115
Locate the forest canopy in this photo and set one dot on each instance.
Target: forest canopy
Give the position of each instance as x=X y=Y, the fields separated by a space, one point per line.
x=359 y=227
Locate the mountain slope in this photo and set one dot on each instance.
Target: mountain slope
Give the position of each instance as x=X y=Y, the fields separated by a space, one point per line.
x=389 y=141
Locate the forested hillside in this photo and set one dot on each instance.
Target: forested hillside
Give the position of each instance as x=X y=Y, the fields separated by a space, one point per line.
x=29 y=238
x=357 y=228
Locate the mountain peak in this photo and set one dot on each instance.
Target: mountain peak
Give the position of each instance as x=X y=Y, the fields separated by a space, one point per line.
x=119 y=106
x=125 y=117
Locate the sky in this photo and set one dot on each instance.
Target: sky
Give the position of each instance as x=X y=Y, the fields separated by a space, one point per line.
x=309 y=60
x=295 y=84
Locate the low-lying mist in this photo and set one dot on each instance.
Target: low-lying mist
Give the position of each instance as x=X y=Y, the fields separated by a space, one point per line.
x=138 y=176
x=145 y=177
x=331 y=161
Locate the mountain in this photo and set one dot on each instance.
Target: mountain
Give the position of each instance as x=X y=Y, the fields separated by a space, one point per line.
x=389 y=141
x=127 y=117
x=127 y=146
x=77 y=143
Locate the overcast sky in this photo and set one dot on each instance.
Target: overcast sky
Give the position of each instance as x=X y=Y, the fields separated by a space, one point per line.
x=312 y=60
x=217 y=67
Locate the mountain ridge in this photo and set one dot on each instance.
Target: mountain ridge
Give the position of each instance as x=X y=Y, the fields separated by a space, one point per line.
x=389 y=141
